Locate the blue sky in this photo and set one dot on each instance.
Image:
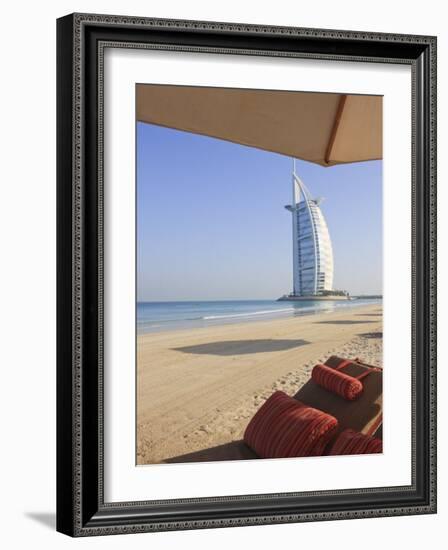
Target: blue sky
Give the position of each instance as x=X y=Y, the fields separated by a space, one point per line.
x=211 y=223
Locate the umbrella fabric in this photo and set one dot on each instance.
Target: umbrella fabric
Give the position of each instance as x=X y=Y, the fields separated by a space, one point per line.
x=323 y=128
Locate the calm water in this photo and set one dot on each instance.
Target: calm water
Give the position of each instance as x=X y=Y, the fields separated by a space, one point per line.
x=160 y=316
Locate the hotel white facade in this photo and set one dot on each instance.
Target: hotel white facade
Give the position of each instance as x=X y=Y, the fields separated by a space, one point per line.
x=312 y=250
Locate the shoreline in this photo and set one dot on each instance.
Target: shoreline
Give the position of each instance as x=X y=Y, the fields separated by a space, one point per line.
x=198 y=388
x=253 y=317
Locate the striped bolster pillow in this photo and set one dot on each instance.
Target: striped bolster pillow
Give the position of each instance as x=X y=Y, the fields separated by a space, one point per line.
x=284 y=427
x=337 y=382
x=350 y=442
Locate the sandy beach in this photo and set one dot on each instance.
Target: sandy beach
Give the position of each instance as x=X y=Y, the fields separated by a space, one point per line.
x=198 y=388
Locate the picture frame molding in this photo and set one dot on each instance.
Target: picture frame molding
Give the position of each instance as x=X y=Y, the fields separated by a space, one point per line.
x=81 y=41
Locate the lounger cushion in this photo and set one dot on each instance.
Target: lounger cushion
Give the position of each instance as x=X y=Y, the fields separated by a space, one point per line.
x=337 y=382
x=350 y=442
x=284 y=427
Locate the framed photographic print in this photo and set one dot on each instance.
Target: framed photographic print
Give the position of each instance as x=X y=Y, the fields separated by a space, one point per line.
x=246 y=274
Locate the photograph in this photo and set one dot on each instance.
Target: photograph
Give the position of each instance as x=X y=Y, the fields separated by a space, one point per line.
x=259 y=274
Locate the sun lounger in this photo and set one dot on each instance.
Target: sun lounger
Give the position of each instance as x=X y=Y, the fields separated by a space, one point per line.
x=350 y=442
x=364 y=414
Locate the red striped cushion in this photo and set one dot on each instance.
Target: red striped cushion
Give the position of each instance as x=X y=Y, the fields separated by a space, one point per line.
x=284 y=427
x=337 y=382
x=350 y=442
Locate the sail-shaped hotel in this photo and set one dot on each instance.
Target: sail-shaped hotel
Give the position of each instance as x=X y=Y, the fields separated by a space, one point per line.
x=312 y=250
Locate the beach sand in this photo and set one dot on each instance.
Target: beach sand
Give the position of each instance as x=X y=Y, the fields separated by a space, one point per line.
x=199 y=388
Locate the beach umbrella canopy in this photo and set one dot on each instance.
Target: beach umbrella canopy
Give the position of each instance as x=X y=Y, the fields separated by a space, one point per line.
x=323 y=128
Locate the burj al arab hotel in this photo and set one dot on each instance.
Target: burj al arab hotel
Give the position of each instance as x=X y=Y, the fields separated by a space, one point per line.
x=312 y=250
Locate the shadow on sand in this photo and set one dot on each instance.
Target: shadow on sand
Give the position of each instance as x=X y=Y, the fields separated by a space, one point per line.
x=371 y=335
x=369 y=314
x=242 y=347
x=235 y=450
x=342 y=322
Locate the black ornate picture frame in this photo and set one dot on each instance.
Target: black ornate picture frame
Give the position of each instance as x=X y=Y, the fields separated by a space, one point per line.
x=81 y=508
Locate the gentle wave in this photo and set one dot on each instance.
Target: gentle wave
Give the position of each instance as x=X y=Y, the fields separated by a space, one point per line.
x=211 y=317
x=145 y=321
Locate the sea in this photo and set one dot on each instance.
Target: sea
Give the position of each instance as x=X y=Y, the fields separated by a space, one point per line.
x=164 y=316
